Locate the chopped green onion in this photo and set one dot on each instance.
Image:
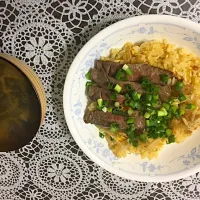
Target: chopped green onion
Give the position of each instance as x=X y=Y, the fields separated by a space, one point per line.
x=171 y=139
x=182 y=97
x=164 y=78
x=105 y=103
x=179 y=86
x=109 y=109
x=166 y=106
x=112 y=139
x=127 y=69
x=110 y=86
x=89 y=83
x=147 y=122
x=129 y=72
x=101 y=135
x=114 y=127
x=190 y=106
x=120 y=107
x=120 y=75
x=146 y=115
x=155 y=97
x=132 y=104
x=100 y=102
x=127 y=102
x=127 y=96
x=88 y=75
x=117 y=104
x=168 y=132
x=129 y=87
x=135 y=143
x=163 y=109
x=130 y=121
x=173 y=109
x=118 y=88
x=104 y=109
x=136 y=96
x=119 y=112
x=148 y=97
x=161 y=113
x=181 y=111
x=113 y=97
x=130 y=111
x=143 y=137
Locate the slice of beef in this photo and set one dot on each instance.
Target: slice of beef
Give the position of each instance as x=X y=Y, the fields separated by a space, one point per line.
x=139 y=71
x=102 y=79
x=96 y=92
x=106 y=119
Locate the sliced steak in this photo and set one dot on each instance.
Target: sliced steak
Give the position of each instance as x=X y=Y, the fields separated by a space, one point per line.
x=102 y=79
x=106 y=119
x=139 y=71
x=96 y=92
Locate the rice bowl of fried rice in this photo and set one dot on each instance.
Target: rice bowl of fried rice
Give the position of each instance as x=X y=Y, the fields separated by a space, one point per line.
x=164 y=43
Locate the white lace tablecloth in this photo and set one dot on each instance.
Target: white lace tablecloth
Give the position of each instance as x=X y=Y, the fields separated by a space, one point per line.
x=47 y=35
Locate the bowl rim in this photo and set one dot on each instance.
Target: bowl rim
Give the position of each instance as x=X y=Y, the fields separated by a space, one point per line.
x=171 y=20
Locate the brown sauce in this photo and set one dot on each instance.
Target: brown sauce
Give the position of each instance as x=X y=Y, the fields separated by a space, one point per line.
x=20 y=111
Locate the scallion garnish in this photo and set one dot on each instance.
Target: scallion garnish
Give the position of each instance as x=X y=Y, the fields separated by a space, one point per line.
x=182 y=97
x=166 y=106
x=88 y=75
x=130 y=121
x=127 y=102
x=112 y=139
x=135 y=96
x=168 y=132
x=104 y=109
x=119 y=112
x=146 y=115
x=114 y=127
x=164 y=78
x=181 y=111
x=89 y=83
x=179 y=86
x=128 y=87
x=120 y=75
x=101 y=135
x=110 y=86
x=171 y=139
x=143 y=137
x=135 y=143
x=118 y=88
x=113 y=97
x=100 y=102
x=127 y=69
x=190 y=106
x=117 y=104
x=109 y=109
x=130 y=111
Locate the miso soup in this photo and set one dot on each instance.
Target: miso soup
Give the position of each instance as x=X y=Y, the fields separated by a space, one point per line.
x=20 y=111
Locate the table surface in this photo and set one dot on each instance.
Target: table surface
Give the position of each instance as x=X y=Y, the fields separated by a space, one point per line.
x=47 y=35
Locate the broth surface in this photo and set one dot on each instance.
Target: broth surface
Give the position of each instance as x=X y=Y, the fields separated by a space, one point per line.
x=20 y=111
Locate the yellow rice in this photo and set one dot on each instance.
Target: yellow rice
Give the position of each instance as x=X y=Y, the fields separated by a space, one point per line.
x=185 y=66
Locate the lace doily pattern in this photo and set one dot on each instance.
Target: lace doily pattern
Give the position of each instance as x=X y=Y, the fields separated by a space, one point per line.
x=47 y=35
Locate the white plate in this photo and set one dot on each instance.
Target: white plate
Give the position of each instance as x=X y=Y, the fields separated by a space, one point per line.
x=175 y=160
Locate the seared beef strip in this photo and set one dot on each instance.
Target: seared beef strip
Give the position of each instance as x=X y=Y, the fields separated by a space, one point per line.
x=106 y=119
x=139 y=71
x=96 y=92
x=102 y=79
